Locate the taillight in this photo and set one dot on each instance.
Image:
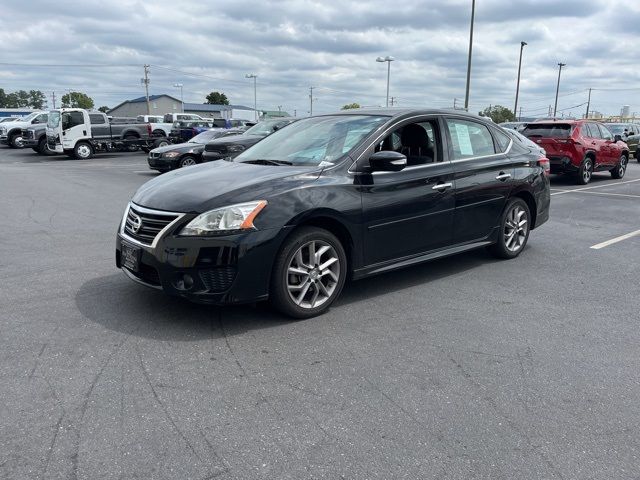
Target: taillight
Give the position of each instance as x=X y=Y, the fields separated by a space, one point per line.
x=149 y=131
x=545 y=164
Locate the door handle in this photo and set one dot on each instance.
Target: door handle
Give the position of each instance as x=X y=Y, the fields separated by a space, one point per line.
x=442 y=186
x=503 y=176
x=593 y=143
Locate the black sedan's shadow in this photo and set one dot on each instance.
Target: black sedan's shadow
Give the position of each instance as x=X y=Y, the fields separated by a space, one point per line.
x=569 y=180
x=120 y=305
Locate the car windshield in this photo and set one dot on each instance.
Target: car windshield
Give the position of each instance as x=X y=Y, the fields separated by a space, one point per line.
x=314 y=141
x=54 y=119
x=266 y=127
x=30 y=117
x=206 y=136
x=547 y=130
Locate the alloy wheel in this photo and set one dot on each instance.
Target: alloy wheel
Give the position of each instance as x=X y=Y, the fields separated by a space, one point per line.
x=312 y=274
x=18 y=141
x=516 y=227
x=187 y=162
x=587 y=171
x=622 y=167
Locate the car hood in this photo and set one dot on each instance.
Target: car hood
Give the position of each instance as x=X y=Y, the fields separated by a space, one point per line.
x=237 y=139
x=207 y=186
x=180 y=147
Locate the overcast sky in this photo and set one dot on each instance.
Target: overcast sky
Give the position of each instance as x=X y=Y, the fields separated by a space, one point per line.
x=331 y=45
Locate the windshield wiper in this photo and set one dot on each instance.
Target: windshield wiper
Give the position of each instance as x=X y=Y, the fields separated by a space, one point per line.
x=264 y=161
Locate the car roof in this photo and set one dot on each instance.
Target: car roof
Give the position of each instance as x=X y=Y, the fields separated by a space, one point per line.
x=397 y=112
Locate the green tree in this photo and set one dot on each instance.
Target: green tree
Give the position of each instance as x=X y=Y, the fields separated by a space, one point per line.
x=217 y=98
x=349 y=106
x=104 y=109
x=3 y=98
x=77 y=100
x=37 y=99
x=498 y=114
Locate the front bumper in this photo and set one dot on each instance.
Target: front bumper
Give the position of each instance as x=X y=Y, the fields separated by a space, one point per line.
x=215 y=270
x=160 y=163
x=4 y=139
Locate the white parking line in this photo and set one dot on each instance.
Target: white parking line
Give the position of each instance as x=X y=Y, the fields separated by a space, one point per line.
x=615 y=240
x=603 y=193
x=613 y=184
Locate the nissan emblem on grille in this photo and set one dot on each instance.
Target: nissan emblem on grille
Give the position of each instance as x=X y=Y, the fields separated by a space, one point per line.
x=136 y=222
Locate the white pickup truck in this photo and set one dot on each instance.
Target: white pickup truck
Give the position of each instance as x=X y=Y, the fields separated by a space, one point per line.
x=159 y=128
x=11 y=132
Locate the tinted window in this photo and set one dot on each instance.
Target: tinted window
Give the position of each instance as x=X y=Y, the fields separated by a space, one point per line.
x=416 y=141
x=42 y=118
x=503 y=140
x=220 y=123
x=469 y=139
x=72 y=119
x=96 y=119
x=547 y=130
x=604 y=131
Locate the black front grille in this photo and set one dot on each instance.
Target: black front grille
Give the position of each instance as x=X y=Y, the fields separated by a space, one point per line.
x=218 y=279
x=51 y=142
x=144 y=226
x=154 y=155
x=27 y=134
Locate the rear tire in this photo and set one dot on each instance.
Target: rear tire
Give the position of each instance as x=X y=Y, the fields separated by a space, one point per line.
x=129 y=147
x=83 y=151
x=308 y=273
x=619 y=170
x=585 y=172
x=161 y=142
x=515 y=225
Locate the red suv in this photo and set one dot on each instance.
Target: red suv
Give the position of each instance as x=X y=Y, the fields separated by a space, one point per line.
x=580 y=146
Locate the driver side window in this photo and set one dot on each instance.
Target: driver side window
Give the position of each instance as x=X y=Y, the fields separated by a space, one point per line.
x=417 y=141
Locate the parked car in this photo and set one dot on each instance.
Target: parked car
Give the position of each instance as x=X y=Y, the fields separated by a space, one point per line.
x=231 y=146
x=183 y=117
x=524 y=141
x=186 y=154
x=580 y=147
x=183 y=131
x=630 y=133
x=9 y=119
x=232 y=123
x=80 y=133
x=517 y=126
x=11 y=132
x=350 y=194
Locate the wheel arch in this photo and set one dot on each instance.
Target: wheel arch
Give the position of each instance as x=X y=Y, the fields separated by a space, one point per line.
x=130 y=133
x=590 y=154
x=530 y=200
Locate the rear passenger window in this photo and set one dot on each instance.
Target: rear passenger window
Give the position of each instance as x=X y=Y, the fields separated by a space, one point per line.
x=606 y=134
x=503 y=140
x=96 y=119
x=469 y=139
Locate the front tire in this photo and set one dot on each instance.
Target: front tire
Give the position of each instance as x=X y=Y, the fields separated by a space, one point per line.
x=585 y=172
x=42 y=148
x=619 y=170
x=309 y=273
x=161 y=142
x=16 y=141
x=187 y=161
x=82 y=151
x=515 y=226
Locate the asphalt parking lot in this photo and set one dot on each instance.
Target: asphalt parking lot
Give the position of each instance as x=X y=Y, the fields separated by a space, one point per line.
x=466 y=367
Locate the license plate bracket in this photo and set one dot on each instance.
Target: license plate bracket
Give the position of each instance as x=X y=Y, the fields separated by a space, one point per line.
x=130 y=257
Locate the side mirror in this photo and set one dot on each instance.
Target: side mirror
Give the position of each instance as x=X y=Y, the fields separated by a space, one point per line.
x=34 y=121
x=617 y=138
x=387 y=161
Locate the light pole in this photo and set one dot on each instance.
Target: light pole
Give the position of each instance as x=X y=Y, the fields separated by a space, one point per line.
x=515 y=107
x=179 y=85
x=387 y=59
x=466 y=95
x=255 y=92
x=555 y=107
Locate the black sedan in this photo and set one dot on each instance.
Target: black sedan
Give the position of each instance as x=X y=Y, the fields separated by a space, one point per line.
x=332 y=197
x=186 y=154
x=231 y=146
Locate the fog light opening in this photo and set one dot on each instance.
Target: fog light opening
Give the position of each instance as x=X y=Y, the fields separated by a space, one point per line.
x=183 y=282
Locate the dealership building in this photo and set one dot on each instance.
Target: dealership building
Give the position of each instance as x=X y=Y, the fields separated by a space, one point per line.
x=161 y=104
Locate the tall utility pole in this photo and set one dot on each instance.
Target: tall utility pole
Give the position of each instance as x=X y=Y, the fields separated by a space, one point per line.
x=311 y=101
x=466 y=96
x=53 y=98
x=145 y=81
x=180 y=86
x=520 y=116
x=555 y=107
x=515 y=107
x=393 y=101
x=588 y=104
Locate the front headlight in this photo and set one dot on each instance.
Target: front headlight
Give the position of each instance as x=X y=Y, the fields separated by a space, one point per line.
x=235 y=148
x=170 y=154
x=225 y=219
x=3 y=130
